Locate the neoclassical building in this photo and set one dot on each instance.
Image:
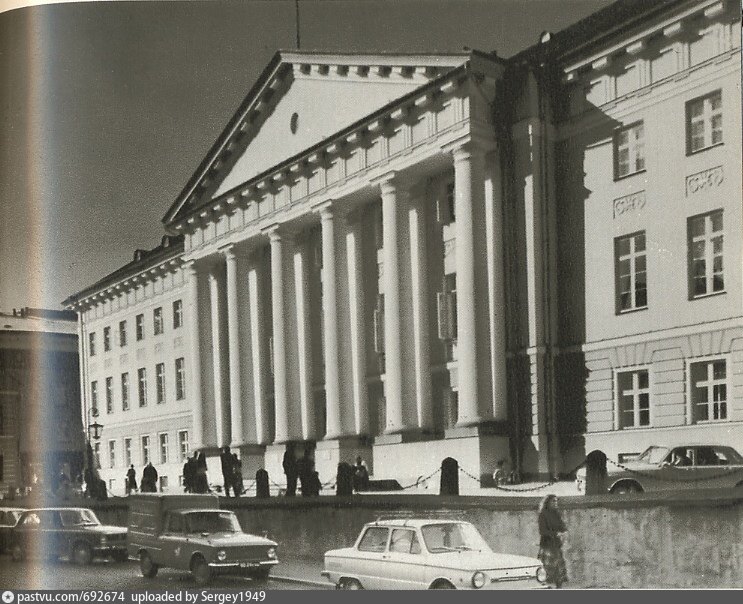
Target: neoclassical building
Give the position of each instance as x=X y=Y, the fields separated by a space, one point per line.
x=414 y=256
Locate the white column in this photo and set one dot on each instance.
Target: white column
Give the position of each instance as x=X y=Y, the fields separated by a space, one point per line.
x=257 y=317
x=392 y=343
x=356 y=332
x=233 y=330
x=279 y=344
x=496 y=285
x=419 y=291
x=465 y=262
x=304 y=348
x=221 y=412
x=330 y=325
x=197 y=437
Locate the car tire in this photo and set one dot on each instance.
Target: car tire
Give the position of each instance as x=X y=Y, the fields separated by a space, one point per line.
x=626 y=488
x=82 y=555
x=17 y=554
x=146 y=566
x=442 y=585
x=200 y=571
x=119 y=556
x=349 y=584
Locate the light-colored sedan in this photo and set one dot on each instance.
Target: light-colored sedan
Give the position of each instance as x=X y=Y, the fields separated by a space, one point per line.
x=683 y=467
x=428 y=554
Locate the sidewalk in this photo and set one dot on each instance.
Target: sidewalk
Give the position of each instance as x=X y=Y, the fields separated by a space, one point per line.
x=301 y=571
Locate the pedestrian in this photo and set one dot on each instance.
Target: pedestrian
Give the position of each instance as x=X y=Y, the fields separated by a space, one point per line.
x=149 y=479
x=551 y=531
x=189 y=473
x=360 y=475
x=201 y=482
x=131 y=480
x=291 y=470
x=237 y=475
x=228 y=471
x=306 y=471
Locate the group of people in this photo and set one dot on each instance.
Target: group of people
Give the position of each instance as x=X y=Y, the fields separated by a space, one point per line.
x=302 y=470
x=232 y=472
x=194 y=474
x=149 y=480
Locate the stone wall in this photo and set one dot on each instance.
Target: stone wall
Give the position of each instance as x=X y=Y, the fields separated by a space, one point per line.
x=670 y=540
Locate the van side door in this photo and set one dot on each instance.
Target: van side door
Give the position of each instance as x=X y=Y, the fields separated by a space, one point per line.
x=172 y=541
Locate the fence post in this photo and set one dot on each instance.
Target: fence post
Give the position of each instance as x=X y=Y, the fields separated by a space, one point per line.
x=449 y=477
x=596 y=473
x=261 y=484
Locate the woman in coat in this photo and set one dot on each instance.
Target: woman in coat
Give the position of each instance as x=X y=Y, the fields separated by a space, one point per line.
x=551 y=530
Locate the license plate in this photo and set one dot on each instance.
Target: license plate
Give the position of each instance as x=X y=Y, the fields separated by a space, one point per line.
x=248 y=565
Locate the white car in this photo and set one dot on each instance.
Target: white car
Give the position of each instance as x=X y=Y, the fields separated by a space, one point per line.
x=428 y=554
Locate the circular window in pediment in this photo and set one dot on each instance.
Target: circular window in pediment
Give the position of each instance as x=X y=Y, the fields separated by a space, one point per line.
x=294 y=122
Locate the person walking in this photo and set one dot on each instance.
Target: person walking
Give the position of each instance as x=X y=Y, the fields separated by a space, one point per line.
x=149 y=479
x=131 y=480
x=189 y=473
x=291 y=470
x=237 y=475
x=551 y=531
x=201 y=482
x=228 y=472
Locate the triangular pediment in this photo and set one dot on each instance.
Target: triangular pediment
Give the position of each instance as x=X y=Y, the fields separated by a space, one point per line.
x=301 y=100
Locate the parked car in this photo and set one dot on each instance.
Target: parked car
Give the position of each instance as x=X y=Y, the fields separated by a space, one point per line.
x=8 y=519
x=427 y=554
x=74 y=533
x=190 y=532
x=665 y=468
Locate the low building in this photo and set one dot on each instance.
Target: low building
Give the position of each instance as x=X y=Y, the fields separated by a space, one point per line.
x=414 y=256
x=41 y=431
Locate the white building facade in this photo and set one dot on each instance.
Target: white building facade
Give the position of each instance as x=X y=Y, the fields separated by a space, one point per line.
x=413 y=257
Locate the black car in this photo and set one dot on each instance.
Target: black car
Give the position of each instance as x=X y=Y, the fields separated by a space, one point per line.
x=74 y=533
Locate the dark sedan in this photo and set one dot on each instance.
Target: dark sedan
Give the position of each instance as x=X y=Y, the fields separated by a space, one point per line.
x=74 y=533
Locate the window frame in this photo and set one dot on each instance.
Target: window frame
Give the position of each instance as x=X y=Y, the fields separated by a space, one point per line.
x=158 y=321
x=160 y=383
x=125 y=391
x=91 y=343
x=166 y=459
x=632 y=257
x=142 y=386
x=145 y=450
x=109 y=385
x=107 y=339
x=94 y=410
x=707 y=123
x=122 y=334
x=617 y=398
x=177 y=314
x=180 y=378
x=183 y=456
x=709 y=257
x=690 y=404
x=139 y=329
x=128 y=456
x=112 y=454
x=630 y=147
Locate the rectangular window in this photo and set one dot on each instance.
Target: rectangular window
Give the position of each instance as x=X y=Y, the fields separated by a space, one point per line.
x=94 y=398
x=142 y=380
x=629 y=150
x=157 y=320
x=106 y=339
x=633 y=394
x=160 y=382
x=91 y=344
x=180 y=379
x=128 y=452
x=139 y=327
x=177 y=314
x=704 y=122
x=122 y=333
x=145 y=450
x=111 y=453
x=164 y=447
x=631 y=272
x=709 y=391
x=124 y=391
x=109 y=395
x=183 y=446
x=705 y=254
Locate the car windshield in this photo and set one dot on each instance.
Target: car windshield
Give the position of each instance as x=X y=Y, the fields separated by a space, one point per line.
x=654 y=455
x=78 y=518
x=212 y=522
x=453 y=536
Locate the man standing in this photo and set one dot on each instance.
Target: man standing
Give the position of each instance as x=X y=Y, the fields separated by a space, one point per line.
x=189 y=474
x=228 y=470
x=131 y=480
x=291 y=470
x=149 y=479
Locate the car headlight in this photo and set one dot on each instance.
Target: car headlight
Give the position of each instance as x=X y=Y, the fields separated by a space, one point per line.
x=271 y=553
x=479 y=579
x=541 y=575
x=221 y=555
x=104 y=540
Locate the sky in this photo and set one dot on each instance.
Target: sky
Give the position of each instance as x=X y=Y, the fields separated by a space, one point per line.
x=107 y=108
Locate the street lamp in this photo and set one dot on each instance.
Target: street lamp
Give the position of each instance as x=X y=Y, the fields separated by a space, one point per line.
x=94 y=430
x=94 y=434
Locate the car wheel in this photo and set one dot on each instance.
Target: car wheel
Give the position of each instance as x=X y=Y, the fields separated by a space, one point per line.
x=147 y=567
x=82 y=555
x=200 y=571
x=442 y=585
x=120 y=556
x=623 y=488
x=17 y=553
x=349 y=584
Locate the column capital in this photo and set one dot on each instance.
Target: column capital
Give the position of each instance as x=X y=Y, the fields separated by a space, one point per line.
x=387 y=182
x=275 y=232
x=230 y=252
x=325 y=209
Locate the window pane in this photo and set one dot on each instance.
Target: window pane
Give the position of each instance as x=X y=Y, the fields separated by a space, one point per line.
x=716 y=221
x=644 y=401
x=624 y=381
x=702 y=413
x=695 y=109
x=640 y=263
x=640 y=242
x=644 y=417
x=623 y=246
x=716 y=101
x=641 y=298
x=697 y=226
x=718 y=283
x=643 y=379
x=718 y=370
